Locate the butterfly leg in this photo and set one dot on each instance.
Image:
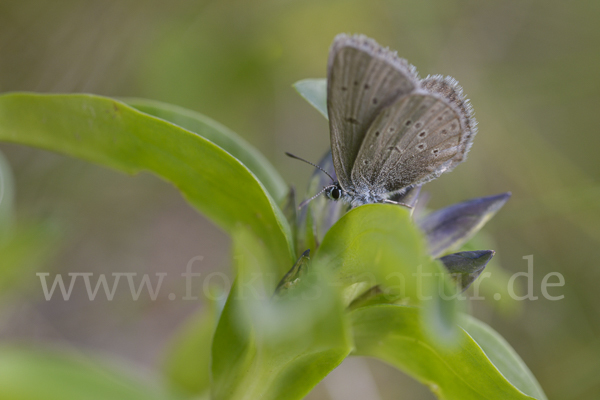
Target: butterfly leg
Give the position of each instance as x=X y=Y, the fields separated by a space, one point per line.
x=398 y=203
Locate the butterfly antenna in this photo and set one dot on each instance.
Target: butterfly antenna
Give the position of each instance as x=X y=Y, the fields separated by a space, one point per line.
x=305 y=202
x=314 y=165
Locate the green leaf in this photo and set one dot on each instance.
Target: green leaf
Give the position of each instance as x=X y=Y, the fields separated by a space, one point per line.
x=221 y=136
x=393 y=334
x=378 y=244
x=50 y=375
x=110 y=133
x=275 y=348
x=187 y=366
x=503 y=356
x=374 y=240
x=315 y=92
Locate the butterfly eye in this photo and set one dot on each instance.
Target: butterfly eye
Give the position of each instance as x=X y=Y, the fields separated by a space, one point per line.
x=334 y=193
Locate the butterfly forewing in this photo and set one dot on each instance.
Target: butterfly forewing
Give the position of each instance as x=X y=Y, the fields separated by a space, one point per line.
x=362 y=80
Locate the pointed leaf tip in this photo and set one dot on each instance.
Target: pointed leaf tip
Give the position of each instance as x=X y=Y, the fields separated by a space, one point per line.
x=315 y=92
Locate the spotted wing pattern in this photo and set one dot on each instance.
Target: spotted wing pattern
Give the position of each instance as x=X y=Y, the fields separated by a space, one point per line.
x=363 y=78
x=415 y=139
x=449 y=89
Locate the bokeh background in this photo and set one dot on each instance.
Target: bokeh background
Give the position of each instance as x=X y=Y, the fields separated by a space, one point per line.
x=530 y=67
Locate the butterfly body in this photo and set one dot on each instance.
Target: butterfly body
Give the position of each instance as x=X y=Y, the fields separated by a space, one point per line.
x=390 y=130
x=355 y=196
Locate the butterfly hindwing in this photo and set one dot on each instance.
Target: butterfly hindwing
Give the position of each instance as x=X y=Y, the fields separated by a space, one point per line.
x=449 y=89
x=412 y=141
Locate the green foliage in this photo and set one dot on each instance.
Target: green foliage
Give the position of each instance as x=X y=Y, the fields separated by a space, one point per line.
x=113 y=134
x=27 y=374
x=219 y=135
x=378 y=244
x=393 y=334
x=275 y=349
x=187 y=366
x=265 y=346
x=502 y=356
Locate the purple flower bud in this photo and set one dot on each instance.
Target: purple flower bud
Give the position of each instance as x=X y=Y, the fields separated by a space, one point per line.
x=451 y=227
x=465 y=267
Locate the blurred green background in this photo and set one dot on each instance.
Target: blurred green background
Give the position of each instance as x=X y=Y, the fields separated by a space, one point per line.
x=530 y=67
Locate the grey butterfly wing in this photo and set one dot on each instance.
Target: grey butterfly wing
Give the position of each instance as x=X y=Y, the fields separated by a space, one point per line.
x=362 y=79
x=416 y=138
x=449 y=89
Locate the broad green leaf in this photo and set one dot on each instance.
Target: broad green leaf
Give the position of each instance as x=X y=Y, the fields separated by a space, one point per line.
x=187 y=367
x=378 y=244
x=393 y=334
x=219 y=135
x=52 y=375
x=113 y=134
x=315 y=92
x=6 y=197
x=503 y=356
x=275 y=348
x=375 y=240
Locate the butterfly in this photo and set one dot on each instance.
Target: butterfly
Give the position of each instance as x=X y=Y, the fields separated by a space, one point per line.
x=390 y=130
